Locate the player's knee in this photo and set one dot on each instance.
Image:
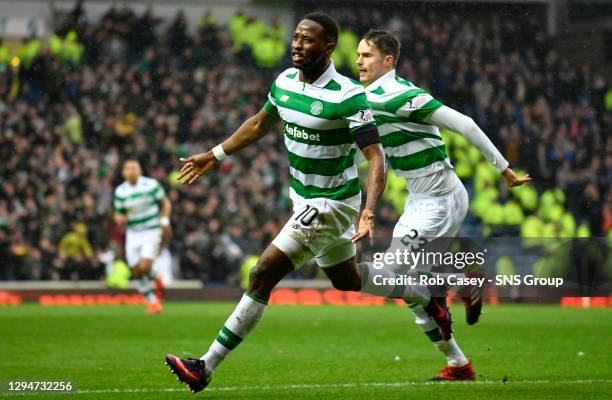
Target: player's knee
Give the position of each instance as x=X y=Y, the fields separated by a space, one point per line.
x=257 y=276
x=136 y=272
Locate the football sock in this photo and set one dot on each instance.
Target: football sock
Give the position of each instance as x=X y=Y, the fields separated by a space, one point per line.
x=424 y=321
x=450 y=348
x=452 y=352
x=245 y=317
x=372 y=280
x=145 y=288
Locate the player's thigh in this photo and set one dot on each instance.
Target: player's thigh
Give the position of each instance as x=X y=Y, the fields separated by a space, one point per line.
x=459 y=204
x=428 y=224
x=132 y=252
x=320 y=228
x=151 y=245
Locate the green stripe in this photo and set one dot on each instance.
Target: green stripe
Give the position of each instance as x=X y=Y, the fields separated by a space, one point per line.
x=422 y=113
x=412 y=305
x=396 y=102
x=142 y=220
x=331 y=137
x=399 y=138
x=333 y=85
x=270 y=108
x=434 y=335
x=350 y=189
x=301 y=103
x=331 y=111
x=137 y=195
x=403 y=81
x=322 y=166
x=228 y=338
x=121 y=210
x=264 y=302
x=418 y=160
x=353 y=105
x=387 y=119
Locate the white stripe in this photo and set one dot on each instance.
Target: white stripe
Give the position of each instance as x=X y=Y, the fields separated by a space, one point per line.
x=139 y=202
x=325 y=181
x=324 y=386
x=412 y=147
x=392 y=92
x=309 y=121
x=297 y=87
x=271 y=99
x=415 y=104
x=314 y=151
x=385 y=129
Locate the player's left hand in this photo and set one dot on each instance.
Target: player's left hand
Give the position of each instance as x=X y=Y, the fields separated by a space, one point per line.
x=512 y=180
x=366 y=226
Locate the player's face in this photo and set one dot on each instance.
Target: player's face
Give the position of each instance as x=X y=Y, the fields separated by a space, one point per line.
x=309 y=46
x=131 y=171
x=372 y=63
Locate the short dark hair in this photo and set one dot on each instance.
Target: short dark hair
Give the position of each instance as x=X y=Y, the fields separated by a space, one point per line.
x=330 y=26
x=386 y=42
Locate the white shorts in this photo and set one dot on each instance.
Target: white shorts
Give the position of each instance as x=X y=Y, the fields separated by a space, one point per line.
x=319 y=228
x=427 y=217
x=142 y=245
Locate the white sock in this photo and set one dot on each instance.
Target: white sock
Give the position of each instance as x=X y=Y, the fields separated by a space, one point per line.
x=453 y=353
x=245 y=317
x=424 y=321
x=145 y=288
x=371 y=279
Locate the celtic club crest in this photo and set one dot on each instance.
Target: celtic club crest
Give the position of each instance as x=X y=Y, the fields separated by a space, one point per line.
x=316 y=107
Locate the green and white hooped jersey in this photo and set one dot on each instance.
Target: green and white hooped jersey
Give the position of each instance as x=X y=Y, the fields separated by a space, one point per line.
x=413 y=147
x=140 y=203
x=319 y=121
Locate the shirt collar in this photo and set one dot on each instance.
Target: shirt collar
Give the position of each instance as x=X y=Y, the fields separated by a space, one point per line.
x=324 y=79
x=381 y=81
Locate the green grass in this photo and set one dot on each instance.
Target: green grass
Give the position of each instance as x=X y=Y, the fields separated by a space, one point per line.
x=301 y=352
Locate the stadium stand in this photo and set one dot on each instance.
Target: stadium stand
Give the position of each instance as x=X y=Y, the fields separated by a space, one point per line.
x=73 y=108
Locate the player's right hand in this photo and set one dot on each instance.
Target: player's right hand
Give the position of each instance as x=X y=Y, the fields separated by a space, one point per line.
x=196 y=166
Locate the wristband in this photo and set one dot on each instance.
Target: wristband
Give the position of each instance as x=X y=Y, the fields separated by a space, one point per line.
x=219 y=153
x=164 y=221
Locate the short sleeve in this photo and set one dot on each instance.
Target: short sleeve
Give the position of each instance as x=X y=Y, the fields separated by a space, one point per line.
x=270 y=105
x=357 y=111
x=160 y=193
x=119 y=204
x=417 y=106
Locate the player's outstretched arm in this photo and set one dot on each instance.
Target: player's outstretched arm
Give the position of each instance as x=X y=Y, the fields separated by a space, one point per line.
x=249 y=132
x=164 y=213
x=448 y=118
x=377 y=178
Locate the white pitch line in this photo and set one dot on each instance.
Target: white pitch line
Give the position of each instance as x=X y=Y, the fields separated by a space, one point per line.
x=320 y=386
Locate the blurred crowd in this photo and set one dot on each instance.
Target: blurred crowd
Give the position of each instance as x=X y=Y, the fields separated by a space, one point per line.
x=158 y=92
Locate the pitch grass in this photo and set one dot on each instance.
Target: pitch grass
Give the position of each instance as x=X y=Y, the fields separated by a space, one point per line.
x=298 y=352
